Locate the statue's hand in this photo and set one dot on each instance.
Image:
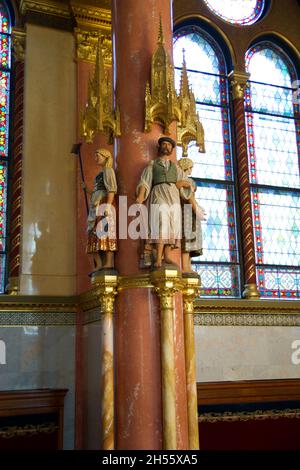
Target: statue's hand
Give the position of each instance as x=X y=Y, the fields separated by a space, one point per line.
x=200 y=213
x=108 y=210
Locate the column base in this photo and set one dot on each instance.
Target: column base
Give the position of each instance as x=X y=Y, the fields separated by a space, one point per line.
x=13 y=286
x=251 y=292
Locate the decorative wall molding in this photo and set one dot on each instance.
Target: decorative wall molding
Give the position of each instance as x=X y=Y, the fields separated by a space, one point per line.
x=42 y=318
x=91 y=17
x=244 y=306
x=47 y=7
x=237 y=312
x=226 y=319
x=47 y=310
x=92 y=316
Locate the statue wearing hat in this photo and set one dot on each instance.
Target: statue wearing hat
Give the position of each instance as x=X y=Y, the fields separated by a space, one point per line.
x=102 y=238
x=161 y=181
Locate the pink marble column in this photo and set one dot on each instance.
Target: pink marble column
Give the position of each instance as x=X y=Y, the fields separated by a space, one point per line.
x=138 y=400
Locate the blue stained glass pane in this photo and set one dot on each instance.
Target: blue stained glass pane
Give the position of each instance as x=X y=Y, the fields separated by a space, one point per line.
x=267 y=65
x=200 y=54
x=271 y=99
x=206 y=72
x=277 y=227
x=273 y=150
x=211 y=164
x=218 y=280
x=2 y=273
x=279 y=283
x=219 y=232
x=206 y=88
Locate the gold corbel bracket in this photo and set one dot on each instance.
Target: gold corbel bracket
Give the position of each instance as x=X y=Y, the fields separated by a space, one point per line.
x=238 y=82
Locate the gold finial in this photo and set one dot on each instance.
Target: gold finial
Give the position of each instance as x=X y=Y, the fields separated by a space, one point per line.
x=160 y=32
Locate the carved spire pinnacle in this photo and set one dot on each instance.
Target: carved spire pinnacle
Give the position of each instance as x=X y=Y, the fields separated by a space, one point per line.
x=99 y=115
x=160 y=32
x=184 y=81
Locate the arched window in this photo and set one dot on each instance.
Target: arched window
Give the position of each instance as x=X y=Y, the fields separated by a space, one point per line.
x=5 y=64
x=242 y=12
x=213 y=170
x=273 y=128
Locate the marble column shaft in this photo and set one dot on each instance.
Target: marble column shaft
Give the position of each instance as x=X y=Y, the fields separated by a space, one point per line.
x=168 y=372
x=238 y=83
x=189 y=294
x=107 y=380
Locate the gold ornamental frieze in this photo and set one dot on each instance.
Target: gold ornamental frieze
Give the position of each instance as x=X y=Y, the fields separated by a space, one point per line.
x=87 y=44
x=257 y=415
x=49 y=7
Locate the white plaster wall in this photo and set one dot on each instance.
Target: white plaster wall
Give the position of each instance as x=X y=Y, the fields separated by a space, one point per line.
x=226 y=353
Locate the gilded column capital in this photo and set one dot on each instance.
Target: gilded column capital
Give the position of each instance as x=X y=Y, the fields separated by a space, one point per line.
x=238 y=81
x=87 y=44
x=105 y=288
x=191 y=289
x=18 y=44
x=166 y=282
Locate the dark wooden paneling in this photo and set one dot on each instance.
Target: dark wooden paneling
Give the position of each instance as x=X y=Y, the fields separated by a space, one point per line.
x=248 y=391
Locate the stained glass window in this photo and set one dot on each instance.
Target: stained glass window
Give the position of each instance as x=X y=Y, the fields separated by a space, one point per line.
x=272 y=115
x=240 y=12
x=213 y=172
x=5 y=64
